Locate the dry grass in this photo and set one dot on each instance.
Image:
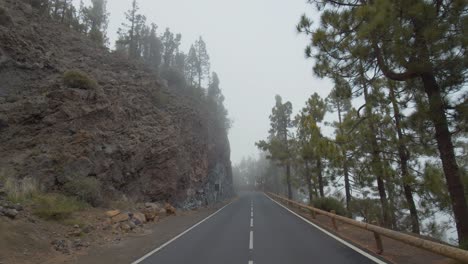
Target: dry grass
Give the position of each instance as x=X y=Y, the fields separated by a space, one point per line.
x=124 y=203
x=21 y=191
x=50 y=206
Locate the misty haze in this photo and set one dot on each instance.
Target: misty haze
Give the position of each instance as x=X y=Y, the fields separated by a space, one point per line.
x=266 y=132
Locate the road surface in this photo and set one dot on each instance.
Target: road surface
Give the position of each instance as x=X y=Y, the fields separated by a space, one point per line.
x=255 y=229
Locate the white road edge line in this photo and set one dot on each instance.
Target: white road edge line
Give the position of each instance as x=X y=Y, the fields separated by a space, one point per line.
x=360 y=251
x=251 y=240
x=179 y=235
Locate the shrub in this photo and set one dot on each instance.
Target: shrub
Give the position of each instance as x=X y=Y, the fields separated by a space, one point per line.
x=86 y=189
x=55 y=206
x=367 y=208
x=78 y=79
x=330 y=203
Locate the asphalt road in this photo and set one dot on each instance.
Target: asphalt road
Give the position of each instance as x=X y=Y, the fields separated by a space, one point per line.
x=254 y=229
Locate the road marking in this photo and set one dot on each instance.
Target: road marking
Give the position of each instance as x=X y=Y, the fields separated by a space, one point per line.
x=179 y=235
x=360 y=251
x=250 y=262
x=251 y=240
x=251 y=222
x=251 y=214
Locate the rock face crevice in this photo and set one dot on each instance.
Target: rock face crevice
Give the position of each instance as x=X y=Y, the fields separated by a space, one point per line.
x=138 y=137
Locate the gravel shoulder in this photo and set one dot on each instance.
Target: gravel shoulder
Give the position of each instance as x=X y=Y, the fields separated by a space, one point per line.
x=133 y=247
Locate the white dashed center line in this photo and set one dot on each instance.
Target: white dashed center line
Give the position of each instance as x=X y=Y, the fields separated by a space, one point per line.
x=251 y=231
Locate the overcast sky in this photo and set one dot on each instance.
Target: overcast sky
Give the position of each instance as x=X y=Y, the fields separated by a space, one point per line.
x=254 y=48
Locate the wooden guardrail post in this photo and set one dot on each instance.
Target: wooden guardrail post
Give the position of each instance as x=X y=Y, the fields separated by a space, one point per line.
x=312 y=213
x=378 y=240
x=334 y=220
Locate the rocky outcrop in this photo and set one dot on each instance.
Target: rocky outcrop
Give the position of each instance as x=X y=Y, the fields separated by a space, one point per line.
x=136 y=136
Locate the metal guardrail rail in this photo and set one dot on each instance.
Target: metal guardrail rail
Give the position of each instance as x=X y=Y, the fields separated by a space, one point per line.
x=434 y=247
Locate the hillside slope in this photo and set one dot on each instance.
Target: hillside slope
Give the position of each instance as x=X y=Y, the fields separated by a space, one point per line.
x=139 y=138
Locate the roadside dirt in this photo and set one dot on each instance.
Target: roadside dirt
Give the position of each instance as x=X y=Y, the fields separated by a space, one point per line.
x=136 y=246
x=30 y=240
x=394 y=251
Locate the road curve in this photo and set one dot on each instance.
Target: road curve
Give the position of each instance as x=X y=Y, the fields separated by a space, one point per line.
x=255 y=229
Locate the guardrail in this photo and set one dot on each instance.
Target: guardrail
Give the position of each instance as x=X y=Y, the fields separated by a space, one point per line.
x=434 y=247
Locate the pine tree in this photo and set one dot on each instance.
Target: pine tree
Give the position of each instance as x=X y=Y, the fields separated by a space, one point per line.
x=216 y=102
x=127 y=41
x=99 y=20
x=203 y=61
x=179 y=62
x=314 y=111
x=191 y=65
x=339 y=100
x=420 y=40
x=278 y=144
x=152 y=49
x=403 y=154
x=171 y=45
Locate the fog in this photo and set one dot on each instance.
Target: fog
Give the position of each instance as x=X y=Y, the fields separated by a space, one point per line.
x=254 y=48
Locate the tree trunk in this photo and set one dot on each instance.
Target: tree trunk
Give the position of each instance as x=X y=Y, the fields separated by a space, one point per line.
x=404 y=157
x=447 y=155
x=308 y=180
x=345 y=164
x=288 y=180
x=320 y=177
x=347 y=184
x=376 y=163
x=199 y=78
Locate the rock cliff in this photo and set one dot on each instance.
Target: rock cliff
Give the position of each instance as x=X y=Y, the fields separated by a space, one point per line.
x=139 y=138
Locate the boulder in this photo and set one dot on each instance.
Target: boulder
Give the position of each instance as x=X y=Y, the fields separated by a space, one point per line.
x=75 y=233
x=61 y=246
x=133 y=223
x=125 y=227
x=140 y=217
x=153 y=205
x=162 y=212
x=11 y=213
x=112 y=213
x=17 y=207
x=150 y=214
x=122 y=217
x=170 y=210
x=77 y=244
